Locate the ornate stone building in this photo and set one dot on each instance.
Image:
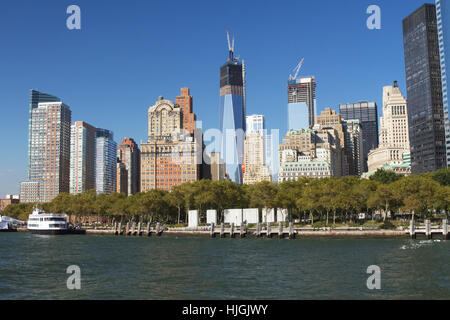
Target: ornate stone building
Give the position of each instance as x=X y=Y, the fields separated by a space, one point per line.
x=394 y=146
x=169 y=158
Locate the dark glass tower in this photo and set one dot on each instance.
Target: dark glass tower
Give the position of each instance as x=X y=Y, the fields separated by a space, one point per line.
x=366 y=113
x=232 y=116
x=443 y=23
x=424 y=87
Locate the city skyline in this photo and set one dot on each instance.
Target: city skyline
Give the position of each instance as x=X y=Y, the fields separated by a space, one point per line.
x=78 y=98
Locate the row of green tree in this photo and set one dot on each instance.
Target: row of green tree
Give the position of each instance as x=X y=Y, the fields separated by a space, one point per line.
x=328 y=200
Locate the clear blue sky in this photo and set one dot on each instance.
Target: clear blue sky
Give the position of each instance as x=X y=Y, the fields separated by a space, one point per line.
x=130 y=52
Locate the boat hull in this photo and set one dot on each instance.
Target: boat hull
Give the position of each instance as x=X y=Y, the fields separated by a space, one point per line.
x=49 y=232
x=57 y=232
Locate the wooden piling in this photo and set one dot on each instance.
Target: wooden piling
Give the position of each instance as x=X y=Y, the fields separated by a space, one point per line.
x=120 y=229
x=445 y=229
x=139 y=229
x=222 y=230
x=213 y=234
x=127 y=229
x=291 y=230
x=115 y=228
x=428 y=229
x=412 y=229
x=232 y=231
x=149 y=232
x=133 y=228
x=258 y=230
x=158 y=229
x=280 y=230
x=269 y=230
x=242 y=231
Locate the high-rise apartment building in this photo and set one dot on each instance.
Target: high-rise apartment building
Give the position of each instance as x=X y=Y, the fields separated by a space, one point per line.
x=29 y=191
x=106 y=162
x=232 y=115
x=82 y=157
x=49 y=148
x=394 y=133
x=129 y=154
x=168 y=158
x=424 y=90
x=367 y=114
x=185 y=101
x=443 y=25
x=301 y=103
x=255 y=169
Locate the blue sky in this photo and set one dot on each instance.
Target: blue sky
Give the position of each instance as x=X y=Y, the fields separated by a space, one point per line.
x=130 y=52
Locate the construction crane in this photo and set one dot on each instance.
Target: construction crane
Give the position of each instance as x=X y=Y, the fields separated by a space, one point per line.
x=297 y=70
x=230 y=46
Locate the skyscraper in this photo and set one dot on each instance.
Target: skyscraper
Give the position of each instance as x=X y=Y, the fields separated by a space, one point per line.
x=185 y=101
x=232 y=115
x=443 y=23
x=106 y=162
x=48 y=147
x=424 y=90
x=255 y=123
x=168 y=158
x=366 y=113
x=129 y=155
x=394 y=134
x=353 y=147
x=255 y=169
x=329 y=120
x=301 y=103
x=82 y=157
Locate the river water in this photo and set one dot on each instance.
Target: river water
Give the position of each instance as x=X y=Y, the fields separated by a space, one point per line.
x=183 y=267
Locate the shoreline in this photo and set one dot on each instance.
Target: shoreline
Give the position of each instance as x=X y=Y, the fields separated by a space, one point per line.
x=299 y=233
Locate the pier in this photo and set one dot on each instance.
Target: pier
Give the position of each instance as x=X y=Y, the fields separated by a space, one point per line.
x=279 y=232
x=427 y=230
x=138 y=229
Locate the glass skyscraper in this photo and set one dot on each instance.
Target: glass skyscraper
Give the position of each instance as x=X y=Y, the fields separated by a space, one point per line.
x=424 y=89
x=106 y=162
x=366 y=113
x=232 y=116
x=443 y=25
x=301 y=103
x=48 y=148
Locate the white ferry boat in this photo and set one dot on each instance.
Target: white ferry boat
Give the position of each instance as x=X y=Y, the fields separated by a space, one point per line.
x=41 y=222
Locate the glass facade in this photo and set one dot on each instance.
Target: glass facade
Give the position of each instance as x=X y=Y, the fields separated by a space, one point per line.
x=301 y=103
x=367 y=114
x=443 y=25
x=106 y=162
x=424 y=90
x=298 y=116
x=232 y=118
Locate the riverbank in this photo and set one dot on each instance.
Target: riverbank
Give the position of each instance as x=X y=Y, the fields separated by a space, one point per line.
x=250 y=232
